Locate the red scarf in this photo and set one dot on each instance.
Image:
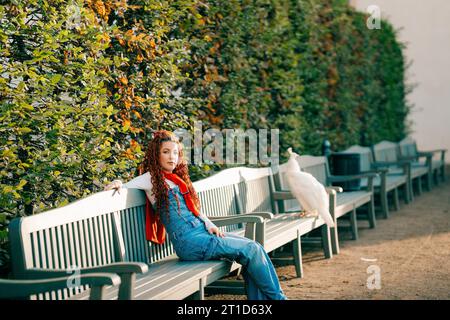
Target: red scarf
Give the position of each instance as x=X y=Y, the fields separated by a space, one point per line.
x=154 y=229
x=184 y=191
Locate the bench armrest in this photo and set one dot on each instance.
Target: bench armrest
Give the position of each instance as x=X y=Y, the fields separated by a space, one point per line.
x=405 y=164
x=287 y=195
x=427 y=155
x=255 y=227
x=433 y=151
x=11 y=288
x=382 y=173
x=282 y=195
x=442 y=151
x=225 y=221
x=334 y=178
x=424 y=154
x=333 y=189
x=126 y=271
x=265 y=215
x=379 y=170
x=400 y=162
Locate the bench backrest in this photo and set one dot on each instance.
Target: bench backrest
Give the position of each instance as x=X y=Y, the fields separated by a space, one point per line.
x=408 y=148
x=255 y=190
x=317 y=166
x=136 y=246
x=385 y=151
x=218 y=195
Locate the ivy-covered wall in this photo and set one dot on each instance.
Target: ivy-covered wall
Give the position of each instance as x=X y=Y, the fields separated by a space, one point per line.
x=84 y=82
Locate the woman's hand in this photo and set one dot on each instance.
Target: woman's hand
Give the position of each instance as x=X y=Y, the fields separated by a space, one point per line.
x=216 y=231
x=116 y=185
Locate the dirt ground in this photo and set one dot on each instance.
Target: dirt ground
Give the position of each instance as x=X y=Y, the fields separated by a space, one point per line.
x=407 y=255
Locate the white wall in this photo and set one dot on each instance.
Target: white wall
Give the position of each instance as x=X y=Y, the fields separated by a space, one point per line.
x=426 y=31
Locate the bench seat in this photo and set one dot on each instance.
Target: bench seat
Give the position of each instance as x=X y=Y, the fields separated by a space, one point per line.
x=392 y=181
x=172 y=278
x=286 y=227
x=349 y=200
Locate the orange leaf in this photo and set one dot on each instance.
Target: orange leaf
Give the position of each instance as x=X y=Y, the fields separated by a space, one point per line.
x=127 y=104
x=124 y=80
x=137 y=114
x=129 y=154
x=126 y=123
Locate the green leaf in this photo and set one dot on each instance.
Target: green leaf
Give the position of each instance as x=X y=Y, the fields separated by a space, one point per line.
x=55 y=78
x=7 y=189
x=24 y=130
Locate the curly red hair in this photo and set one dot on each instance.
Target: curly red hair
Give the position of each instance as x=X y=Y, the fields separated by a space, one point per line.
x=151 y=164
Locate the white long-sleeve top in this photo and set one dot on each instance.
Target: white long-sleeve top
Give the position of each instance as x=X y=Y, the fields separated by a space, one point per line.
x=144 y=182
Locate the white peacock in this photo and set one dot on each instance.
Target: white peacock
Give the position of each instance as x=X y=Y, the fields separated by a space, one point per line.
x=309 y=192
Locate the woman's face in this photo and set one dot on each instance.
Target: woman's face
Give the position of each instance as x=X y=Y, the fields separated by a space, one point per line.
x=168 y=157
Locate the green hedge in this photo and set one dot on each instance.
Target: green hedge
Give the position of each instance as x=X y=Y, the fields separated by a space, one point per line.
x=84 y=82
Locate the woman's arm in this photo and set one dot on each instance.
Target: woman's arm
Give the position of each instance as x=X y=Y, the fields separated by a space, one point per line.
x=211 y=227
x=208 y=223
x=142 y=182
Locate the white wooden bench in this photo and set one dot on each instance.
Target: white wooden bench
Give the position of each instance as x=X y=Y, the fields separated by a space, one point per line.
x=434 y=160
x=105 y=233
x=384 y=184
x=387 y=155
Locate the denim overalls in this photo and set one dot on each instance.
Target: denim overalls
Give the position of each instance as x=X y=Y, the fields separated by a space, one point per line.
x=192 y=241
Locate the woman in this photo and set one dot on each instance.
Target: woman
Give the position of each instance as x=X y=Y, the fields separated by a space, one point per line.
x=173 y=207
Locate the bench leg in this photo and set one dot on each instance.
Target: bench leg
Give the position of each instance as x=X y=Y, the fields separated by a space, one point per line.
x=354 y=224
x=429 y=178
x=297 y=253
x=384 y=204
x=201 y=289
x=334 y=238
x=443 y=173
x=326 y=242
x=396 y=200
x=436 y=177
x=407 y=193
x=126 y=289
x=419 y=186
x=371 y=213
x=97 y=293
